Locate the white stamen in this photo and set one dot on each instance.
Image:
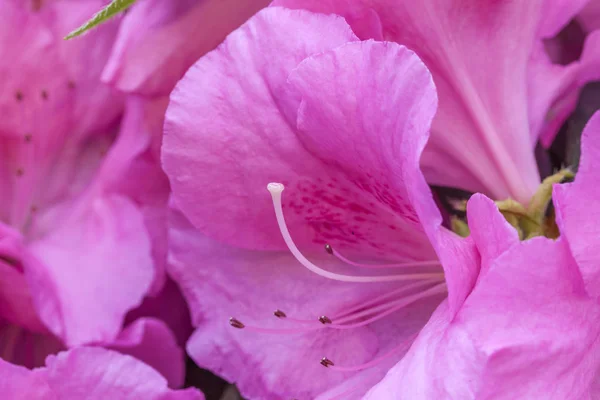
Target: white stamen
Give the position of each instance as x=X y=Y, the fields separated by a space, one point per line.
x=275 y=189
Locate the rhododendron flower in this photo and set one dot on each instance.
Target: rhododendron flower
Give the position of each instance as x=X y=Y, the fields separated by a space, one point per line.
x=530 y=327
x=297 y=97
x=159 y=40
x=88 y=373
x=82 y=218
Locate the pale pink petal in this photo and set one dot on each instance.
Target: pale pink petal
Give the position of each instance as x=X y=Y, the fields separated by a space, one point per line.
x=219 y=282
x=151 y=341
x=92 y=269
x=526 y=331
x=159 y=40
x=577 y=213
x=90 y=374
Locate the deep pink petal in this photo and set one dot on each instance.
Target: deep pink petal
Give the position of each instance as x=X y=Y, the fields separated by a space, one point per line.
x=589 y=17
x=219 y=281
x=170 y=307
x=155 y=45
x=21 y=346
x=151 y=341
x=526 y=331
x=92 y=270
x=577 y=214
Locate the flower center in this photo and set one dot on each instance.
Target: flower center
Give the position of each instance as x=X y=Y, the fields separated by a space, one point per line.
x=536 y=219
x=415 y=287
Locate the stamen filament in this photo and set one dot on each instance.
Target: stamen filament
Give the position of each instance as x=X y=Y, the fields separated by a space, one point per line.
x=386 y=308
x=385 y=296
x=275 y=189
x=373 y=362
x=338 y=255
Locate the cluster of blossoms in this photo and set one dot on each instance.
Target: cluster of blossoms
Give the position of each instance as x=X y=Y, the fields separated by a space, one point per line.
x=429 y=243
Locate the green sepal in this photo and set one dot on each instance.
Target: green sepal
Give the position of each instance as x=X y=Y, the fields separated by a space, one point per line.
x=114 y=8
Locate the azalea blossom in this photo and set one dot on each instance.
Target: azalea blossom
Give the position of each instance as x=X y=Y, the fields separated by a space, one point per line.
x=89 y=373
x=159 y=40
x=81 y=246
x=309 y=102
x=531 y=337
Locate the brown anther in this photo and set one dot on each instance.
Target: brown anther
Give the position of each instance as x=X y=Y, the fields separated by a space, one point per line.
x=71 y=84
x=19 y=96
x=324 y=319
x=44 y=94
x=236 y=324
x=326 y=362
x=19 y=172
x=279 y=314
x=27 y=137
x=328 y=248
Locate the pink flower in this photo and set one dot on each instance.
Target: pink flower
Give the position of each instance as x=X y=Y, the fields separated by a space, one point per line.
x=296 y=97
x=88 y=373
x=159 y=40
x=83 y=209
x=530 y=327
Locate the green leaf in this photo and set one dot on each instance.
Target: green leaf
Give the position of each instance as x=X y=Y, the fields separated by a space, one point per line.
x=114 y=8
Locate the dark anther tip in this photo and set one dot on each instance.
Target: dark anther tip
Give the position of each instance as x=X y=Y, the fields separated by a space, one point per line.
x=326 y=362
x=324 y=319
x=235 y=323
x=328 y=248
x=279 y=314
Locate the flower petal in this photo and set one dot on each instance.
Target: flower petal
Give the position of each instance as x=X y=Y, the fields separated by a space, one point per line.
x=577 y=214
x=250 y=285
x=526 y=331
x=151 y=341
x=153 y=49
x=377 y=154
x=93 y=269
x=490 y=231
x=89 y=373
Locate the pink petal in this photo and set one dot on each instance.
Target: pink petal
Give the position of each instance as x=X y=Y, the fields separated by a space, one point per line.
x=267 y=148
x=381 y=155
x=151 y=341
x=155 y=45
x=480 y=134
x=89 y=373
x=219 y=281
x=577 y=214
x=93 y=269
x=16 y=305
x=525 y=332
x=170 y=307
x=589 y=17
x=490 y=231
x=132 y=167
x=570 y=79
